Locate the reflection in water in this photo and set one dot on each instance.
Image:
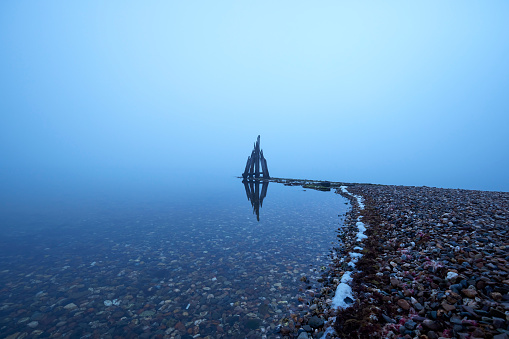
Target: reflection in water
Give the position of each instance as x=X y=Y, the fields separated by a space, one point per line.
x=254 y=195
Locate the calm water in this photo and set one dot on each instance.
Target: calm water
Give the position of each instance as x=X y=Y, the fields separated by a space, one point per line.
x=184 y=259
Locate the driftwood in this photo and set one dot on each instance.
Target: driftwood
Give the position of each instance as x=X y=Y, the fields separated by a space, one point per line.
x=254 y=161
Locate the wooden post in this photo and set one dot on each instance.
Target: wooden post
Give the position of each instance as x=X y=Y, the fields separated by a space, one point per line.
x=254 y=161
x=257 y=160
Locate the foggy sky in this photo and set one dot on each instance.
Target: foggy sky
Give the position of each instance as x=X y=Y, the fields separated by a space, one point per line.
x=397 y=92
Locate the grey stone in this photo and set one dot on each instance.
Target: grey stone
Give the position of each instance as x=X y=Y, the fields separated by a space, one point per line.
x=455 y=320
x=315 y=322
x=389 y=320
x=33 y=324
x=307 y=328
x=430 y=324
x=411 y=325
x=498 y=322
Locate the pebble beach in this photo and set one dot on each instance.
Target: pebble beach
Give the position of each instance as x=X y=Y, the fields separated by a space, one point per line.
x=433 y=264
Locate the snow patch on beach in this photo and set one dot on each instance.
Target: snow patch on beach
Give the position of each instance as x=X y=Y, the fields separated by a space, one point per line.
x=355 y=257
x=362 y=228
x=343 y=291
x=360 y=202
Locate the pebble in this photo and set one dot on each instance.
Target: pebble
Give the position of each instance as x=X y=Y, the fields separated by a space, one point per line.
x=33 y=324
x=403 y=304
x=70 y=306
x=315 y=322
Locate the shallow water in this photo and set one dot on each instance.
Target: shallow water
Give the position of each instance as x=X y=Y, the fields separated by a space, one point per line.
x=188 y=260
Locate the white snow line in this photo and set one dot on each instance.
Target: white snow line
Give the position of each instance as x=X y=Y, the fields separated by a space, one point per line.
x=343 y=298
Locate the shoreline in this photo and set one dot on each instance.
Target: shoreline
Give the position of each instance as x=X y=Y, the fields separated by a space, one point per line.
x=435 y=264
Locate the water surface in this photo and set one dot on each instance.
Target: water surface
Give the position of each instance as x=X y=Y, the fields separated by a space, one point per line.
x=183 y=259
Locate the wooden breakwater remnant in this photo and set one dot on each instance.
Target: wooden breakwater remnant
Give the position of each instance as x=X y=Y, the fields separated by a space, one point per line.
x=252 y=177
x=254 y=161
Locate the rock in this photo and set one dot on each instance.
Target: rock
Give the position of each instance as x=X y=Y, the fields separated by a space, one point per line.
x=448 y=307
x=497 y=313
x=471 y=311
x=389 y=320
x=496 y=296
x=456 y=287
x=307 y=328
x=403 y=304
x=480 y=284
x=469 y=293
x=478 y=333
x=252 y=323
x=348 y=300
x=411 y=325
x=70 y=306
x=430 y=324
x=457 y=328
x=455 y=320
x=498 y=322
x=315 y=322
x=418 y=306
x=303 y=335
x=180 y=326
x=147 y=313
x=33 y=324
x=452 y=276
x=285 y=330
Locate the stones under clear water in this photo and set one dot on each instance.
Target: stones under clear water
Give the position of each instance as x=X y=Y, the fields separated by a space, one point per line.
x=194 y=271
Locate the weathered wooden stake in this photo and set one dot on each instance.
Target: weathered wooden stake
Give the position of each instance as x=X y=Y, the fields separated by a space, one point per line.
x=253 y=163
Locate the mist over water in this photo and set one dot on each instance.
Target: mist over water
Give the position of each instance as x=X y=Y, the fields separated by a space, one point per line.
x=403 y=94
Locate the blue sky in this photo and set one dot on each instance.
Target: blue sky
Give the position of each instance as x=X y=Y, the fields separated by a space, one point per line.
x=396 y=92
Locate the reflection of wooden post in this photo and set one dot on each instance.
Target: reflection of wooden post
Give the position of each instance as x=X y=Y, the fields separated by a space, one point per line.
x=254 y=195
x=254 y=161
